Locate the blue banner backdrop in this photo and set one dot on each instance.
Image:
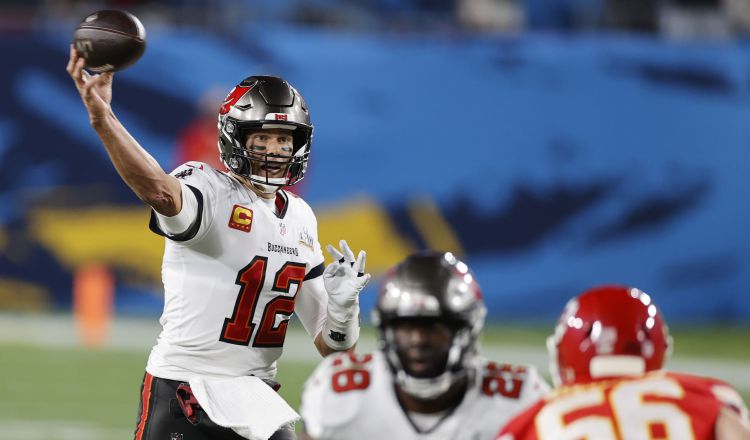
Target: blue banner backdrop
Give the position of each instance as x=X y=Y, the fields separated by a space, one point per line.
x=551 y=163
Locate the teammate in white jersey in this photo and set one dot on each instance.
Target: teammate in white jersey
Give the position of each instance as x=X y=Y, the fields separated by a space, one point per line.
x=427 y=381
x=241 y=254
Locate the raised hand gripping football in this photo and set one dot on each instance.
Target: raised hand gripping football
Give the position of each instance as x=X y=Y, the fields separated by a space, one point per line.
x=345 y=277
x=95 y=90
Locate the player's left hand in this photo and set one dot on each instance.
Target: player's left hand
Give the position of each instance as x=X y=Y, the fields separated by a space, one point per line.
x=345 y=277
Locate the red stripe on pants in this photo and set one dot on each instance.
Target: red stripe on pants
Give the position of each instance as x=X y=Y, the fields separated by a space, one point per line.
x=145 y=397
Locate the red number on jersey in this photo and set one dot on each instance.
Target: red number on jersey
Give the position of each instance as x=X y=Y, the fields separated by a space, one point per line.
x=268 y=336
x=354 y=377
x=639 y=409
x=239 y=328
x=506 y=380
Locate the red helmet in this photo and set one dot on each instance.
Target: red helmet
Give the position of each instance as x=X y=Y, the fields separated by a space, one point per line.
x=608 y=331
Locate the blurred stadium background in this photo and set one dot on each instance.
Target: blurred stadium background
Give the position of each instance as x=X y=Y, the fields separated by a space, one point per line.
x=553 y=144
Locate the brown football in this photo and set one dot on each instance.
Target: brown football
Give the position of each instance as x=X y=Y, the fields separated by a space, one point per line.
x=110 y=40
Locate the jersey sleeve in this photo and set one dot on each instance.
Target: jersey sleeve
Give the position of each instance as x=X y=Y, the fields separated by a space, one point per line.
x=531 y=400
x=730 y=398
x=310 y=305
x=535 y=387
x=199 y=193
x=312 y=300
x=724 y=393
x=521 y=427
x=318 y=261
x=323 y=409
x=521 y=383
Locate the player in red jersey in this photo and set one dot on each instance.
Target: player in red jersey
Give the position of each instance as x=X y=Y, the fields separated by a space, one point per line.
x=606 y=357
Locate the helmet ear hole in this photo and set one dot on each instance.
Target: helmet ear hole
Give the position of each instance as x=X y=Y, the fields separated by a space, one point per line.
x=239 y=165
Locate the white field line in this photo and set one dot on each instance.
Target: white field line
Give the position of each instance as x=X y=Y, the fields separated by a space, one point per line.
x=139 y=334
x=56 y=430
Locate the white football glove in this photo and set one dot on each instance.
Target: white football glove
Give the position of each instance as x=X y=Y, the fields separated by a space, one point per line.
x=345 y=277
x=343 y=280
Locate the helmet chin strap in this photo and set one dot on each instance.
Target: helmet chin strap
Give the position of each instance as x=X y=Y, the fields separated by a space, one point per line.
x=425 y=388
x=265 y=188
x=267 y=185
x=430 y=388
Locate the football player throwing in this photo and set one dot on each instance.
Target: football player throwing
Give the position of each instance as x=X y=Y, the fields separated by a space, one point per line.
x=241 y=253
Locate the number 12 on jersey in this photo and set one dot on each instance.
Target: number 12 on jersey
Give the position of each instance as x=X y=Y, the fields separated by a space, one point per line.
x=239 y=328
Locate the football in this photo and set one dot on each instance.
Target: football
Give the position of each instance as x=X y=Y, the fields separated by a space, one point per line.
x=110 y=40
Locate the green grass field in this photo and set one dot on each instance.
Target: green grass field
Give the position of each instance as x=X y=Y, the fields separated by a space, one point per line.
x=71 y=393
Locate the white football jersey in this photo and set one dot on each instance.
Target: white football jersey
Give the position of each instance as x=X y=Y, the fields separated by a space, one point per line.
x=352 y=396
x=231 y=280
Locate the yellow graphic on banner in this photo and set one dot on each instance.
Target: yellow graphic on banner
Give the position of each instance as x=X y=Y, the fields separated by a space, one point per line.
x=23 y=295
x=117 y=236
x=364 y=225
x=432 y=226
